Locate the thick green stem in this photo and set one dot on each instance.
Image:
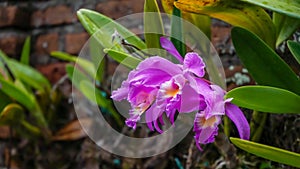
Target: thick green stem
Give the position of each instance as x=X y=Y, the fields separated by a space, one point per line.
x=257 y=125
x=227 y=126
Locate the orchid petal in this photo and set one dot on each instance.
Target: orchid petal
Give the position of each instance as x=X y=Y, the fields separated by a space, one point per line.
x=172 y=105
x=240 y=121
x=160 y=63
x=191 y=101
x=194 y=64
x=161 y=120
x=150 y=126
x=206 y=129
x=152 y=115
x=199 y=85
x=207 y=135
x=198 y=144
x=131 y=122
x=171 y=115
x=139 y=94
x=168 y=46
x=120 y=93
x=156 y=126
x=146 y=77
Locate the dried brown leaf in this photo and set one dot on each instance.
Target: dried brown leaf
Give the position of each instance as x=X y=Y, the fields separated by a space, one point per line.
x=73 y=130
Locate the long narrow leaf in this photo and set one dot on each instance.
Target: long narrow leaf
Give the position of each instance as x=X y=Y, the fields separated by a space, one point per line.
x=4 y=99
x=123 y=58
x=265 y=99
x=92 y=93
x=12 y=114
x=80 y=76
x=268 y=152
x=85 y=64
x=95 y=96
x=93 y=22
x=29 y=75
x=25 y=56
x=286 y=7
x=26 y=73
x=285 y=26
x=19 y=95
x=177 y=32
x=64 y=56
x=265 y=66
x=97 y=58
x=153 y=25
x=203 y=22
x=3 y=66
x=82 y=83
x=295 y=49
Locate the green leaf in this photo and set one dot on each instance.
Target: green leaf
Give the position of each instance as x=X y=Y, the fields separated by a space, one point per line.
x=123 y=58
x=237 y=13
x=203 y=22
x=295 y=50
x=70 y=71
x=80 y=76
x=82 y=83
x=25 y=56
x=26 y=73
x=85 y=64
x=265 y=99
x=64 y=56
x=97 y=57
x=4 y=99
x=95 y=96
x=12 y=114
x=93 y=22
x=19 y=95
x=153 y=25
x=177 y=31
x=3 y=66
x=92 y=93
x=29 y=75
x=285 y=26
x=25 y=88
x=2 y=69
x=268 y=152
x=265 y=66
x=286 y=7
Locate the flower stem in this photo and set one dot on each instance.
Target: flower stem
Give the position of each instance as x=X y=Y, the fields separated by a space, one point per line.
x=257 y=125
x=227 y=126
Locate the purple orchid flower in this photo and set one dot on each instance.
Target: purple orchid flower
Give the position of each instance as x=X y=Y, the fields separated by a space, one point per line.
x=158 y=86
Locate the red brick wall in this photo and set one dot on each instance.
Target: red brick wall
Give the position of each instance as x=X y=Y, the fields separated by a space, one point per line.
x=52 y=25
